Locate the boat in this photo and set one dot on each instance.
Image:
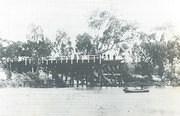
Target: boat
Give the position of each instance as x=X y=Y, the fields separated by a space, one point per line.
x=135 y=90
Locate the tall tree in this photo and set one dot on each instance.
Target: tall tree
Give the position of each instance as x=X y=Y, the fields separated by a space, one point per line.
x=151 y=51
x=109 y=31
x=2 y=51
x=37 y=44
x=35 y=33
x=37 y=49
x=84 y=44
x=13 y=50
x=62 y=45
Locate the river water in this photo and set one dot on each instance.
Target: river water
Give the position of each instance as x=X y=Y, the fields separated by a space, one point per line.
x=88 y=102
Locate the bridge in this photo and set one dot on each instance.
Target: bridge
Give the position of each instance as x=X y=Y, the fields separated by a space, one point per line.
x=88 y=70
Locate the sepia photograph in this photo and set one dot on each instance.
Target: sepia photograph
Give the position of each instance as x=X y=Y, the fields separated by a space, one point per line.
x=89 y=58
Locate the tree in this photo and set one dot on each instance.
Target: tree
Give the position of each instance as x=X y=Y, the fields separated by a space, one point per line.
x=62 y=45
x=2 y=51
x=109 y=31
x=13 y=50
x=37 y=45
x=173 y=56
x=35 y=33
x=42 y=48
x=174 y=48
x=84 y=44
x=152 y=52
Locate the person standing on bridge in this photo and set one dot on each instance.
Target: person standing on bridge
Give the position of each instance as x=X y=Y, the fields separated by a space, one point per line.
x=114 y=57
x=108 y=57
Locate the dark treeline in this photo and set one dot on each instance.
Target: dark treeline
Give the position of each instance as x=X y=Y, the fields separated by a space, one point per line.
x=154 y=55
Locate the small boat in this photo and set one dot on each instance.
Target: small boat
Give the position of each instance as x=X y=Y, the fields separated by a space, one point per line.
x=126 y=90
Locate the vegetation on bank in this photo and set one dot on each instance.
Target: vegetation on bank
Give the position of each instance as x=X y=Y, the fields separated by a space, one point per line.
x=155 y=55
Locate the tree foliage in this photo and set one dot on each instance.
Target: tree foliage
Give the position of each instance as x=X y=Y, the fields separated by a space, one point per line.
x=84 y=44
x=35 y=33
x=37 y=44
x=156 y=52
x=110 y=31
x=12 y=50
x=62 y=45
x=37 y=49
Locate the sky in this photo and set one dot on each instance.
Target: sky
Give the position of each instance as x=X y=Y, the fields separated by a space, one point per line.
x=71 y=16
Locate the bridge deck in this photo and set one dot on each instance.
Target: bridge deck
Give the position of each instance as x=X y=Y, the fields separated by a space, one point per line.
x=89 y=71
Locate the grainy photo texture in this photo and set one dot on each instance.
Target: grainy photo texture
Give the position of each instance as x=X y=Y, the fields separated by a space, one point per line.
x=89 y=58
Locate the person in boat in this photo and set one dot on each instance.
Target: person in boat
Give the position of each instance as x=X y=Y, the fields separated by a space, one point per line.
x=142 y=87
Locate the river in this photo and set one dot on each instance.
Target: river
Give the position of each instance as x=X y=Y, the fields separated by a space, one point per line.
x=88 y=102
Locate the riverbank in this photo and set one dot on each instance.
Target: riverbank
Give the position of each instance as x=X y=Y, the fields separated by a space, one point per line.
x=44 y=80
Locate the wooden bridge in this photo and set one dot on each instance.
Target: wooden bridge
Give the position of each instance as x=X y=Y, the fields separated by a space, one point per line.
x=89 y=70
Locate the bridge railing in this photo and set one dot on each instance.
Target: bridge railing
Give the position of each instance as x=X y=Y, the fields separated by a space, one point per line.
x=77 y=58
x=62 y=59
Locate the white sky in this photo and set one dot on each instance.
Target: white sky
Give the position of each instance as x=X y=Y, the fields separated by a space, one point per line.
x=71 y=15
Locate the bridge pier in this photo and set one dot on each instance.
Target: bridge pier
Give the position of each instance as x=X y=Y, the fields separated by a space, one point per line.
x=82 y=79
x=77 y=83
